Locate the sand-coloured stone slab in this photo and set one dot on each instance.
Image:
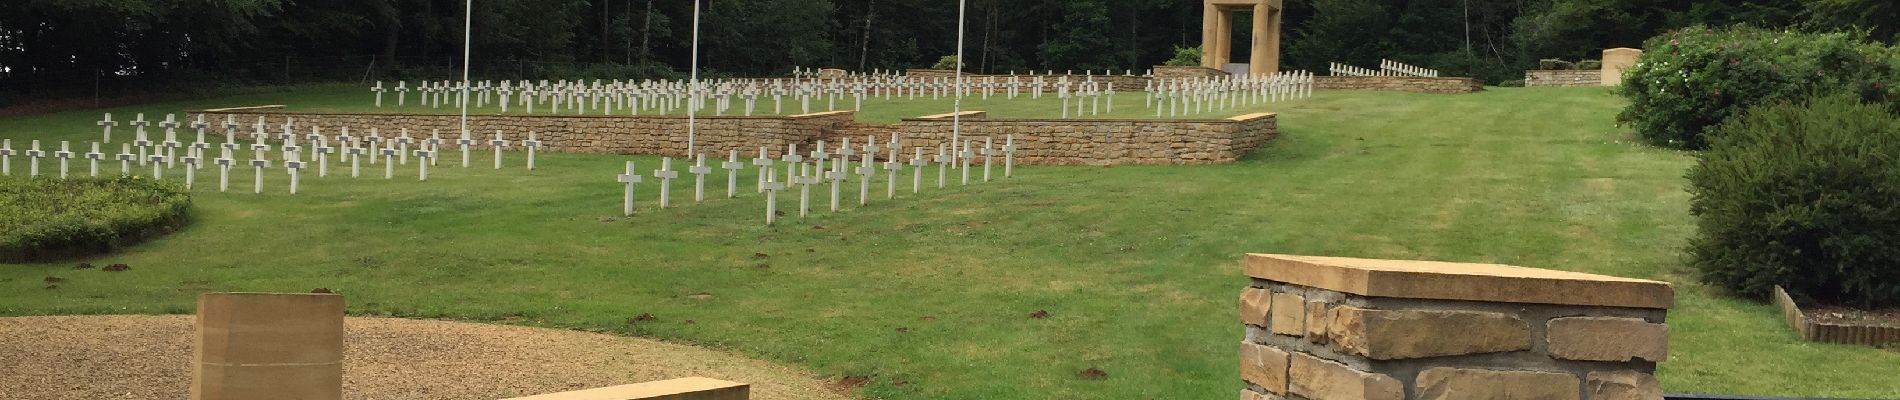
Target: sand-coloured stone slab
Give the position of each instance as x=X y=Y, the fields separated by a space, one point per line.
x=1459 y=281
x=695 y=388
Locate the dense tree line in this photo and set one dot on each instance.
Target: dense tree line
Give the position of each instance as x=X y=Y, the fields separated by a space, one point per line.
x=47 y=45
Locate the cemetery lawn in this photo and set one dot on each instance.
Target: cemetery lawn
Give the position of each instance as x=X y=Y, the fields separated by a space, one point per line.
x=930 y=296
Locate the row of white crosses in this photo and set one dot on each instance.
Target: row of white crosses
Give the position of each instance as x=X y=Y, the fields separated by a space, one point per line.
x=810 y=169
x=1191 y=96
x=1342 y=69
x=1395 y=68
x=165 y=155
x=1386 y=68
x=723 y=96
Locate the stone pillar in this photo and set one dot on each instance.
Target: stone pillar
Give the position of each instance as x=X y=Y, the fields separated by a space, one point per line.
x=1211 y=36
x=1224 y=27
x=268 y=346
x=1262 y=35
x=1615 y=61
x=1325 y=328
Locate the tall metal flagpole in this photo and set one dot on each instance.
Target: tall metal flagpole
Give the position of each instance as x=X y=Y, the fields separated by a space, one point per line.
x=468 y=21
x=692 y=88
x=956 y=118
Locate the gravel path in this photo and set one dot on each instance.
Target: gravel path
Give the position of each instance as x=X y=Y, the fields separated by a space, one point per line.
x=148 y=357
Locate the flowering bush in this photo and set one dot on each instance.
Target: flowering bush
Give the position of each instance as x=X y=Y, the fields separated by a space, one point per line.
x=1691 y=80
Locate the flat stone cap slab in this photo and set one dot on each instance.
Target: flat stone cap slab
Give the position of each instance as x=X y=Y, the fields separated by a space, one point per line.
x=694 y=388
x=1459 y=281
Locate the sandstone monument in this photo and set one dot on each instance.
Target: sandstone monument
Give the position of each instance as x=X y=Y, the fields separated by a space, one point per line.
x=1217 y=40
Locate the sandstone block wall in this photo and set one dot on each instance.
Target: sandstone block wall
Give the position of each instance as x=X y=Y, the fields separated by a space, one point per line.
x=620 y=134
x=1398 y=84
x=1175 y=72
x=1105 y=142
x=1336 y=328
x=1574 y=78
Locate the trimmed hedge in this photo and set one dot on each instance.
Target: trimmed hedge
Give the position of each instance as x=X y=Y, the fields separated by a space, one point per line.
x=1691 y=80
x=44 y=219
x=1804 y=196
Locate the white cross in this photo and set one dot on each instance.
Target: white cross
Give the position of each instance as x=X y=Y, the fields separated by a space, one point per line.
x=93 y=158
x=666 y=173
x=1009 y=156
x=499 y=144
x=630 y=178
x=379 y=93
x=389 y=168
x=224 y=169
x=533 y=145
x=64 y=154
x=33 y=155
x=426 y=156
x=125 y=160
x=770 y=186
x=732 y=167
x=108 y=123
x=699 y=180
x=917 y=165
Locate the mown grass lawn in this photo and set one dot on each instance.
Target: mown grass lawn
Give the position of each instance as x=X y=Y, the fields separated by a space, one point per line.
x=931 y=295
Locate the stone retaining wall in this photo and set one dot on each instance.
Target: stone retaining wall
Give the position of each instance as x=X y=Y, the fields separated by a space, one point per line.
x=1398 y=84
x=1325 y=328
x=1567 y=78
x=651 y=135
x=1174 y=72
x=1105 y=141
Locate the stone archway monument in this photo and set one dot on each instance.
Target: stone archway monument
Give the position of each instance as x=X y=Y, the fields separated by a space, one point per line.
x=1217 y=39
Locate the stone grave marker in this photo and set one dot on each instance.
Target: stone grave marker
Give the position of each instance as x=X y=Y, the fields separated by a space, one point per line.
x=770 y=186
x=630 y=178
x=107 y=123
x=125 y=160
x=92 y=159
x=666 y=174
x=499 y=143
x=732 y=167
x=258 y=165
x=533 y=145
x=427 y=156
x=33 y=155
x=699 y=171
x=224 y=169
x=65 y=154
x=389 y=153
x=836 y=176
x=943 y=165
x=379 y=93
x=294 y=165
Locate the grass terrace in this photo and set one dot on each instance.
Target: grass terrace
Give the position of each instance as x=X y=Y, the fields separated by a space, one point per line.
x=931 y=295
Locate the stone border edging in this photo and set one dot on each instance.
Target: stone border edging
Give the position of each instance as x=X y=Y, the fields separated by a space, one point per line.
x=1824 y=332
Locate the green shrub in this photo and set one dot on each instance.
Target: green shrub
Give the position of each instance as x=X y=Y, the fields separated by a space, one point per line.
x=1552 y=64
x=1802 y=196
x=1512 y=83
x=44 y=219
x=1590 y=65
x=1691 y=80
x=945 y=63
x=1185 y=57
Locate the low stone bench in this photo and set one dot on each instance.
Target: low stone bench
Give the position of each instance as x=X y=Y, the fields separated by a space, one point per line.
x=677 y=389
x=1325 y=328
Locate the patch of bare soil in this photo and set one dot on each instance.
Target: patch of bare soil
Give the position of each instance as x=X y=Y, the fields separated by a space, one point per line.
x=149 y=357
